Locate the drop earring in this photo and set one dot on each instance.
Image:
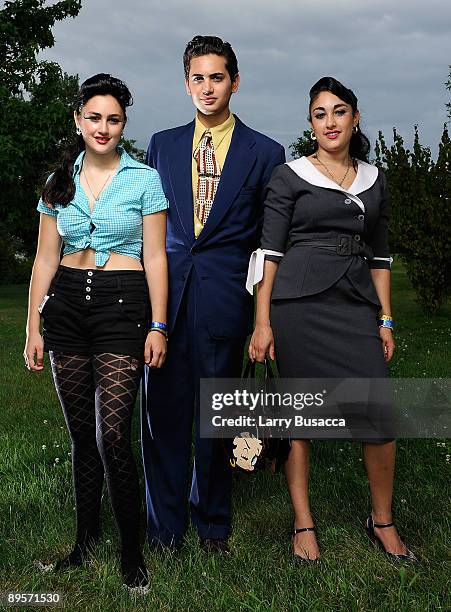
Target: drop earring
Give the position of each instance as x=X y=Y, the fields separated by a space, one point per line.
x=78 y=131
x=312 y=135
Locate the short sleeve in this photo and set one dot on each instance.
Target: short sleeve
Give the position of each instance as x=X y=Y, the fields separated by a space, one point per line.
x=43 y=208
x=378 y=241
x=153 y=199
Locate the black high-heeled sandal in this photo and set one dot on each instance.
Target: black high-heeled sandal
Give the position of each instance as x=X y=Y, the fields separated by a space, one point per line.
x=298 y=558
x=369 y=528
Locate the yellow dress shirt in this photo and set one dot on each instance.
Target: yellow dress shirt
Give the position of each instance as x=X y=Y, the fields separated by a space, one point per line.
x=221 y=136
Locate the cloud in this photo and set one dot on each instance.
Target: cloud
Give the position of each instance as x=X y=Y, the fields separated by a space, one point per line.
x=394 y=56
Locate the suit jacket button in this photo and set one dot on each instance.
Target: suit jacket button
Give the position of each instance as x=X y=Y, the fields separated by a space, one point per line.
x=361 y=217
x=357 y=237
x=348 y=201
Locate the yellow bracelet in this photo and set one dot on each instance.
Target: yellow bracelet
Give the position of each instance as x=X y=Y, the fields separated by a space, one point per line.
x=160 y=331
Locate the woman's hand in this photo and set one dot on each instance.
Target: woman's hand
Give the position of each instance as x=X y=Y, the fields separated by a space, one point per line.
x=388 y=344
x=262 y=343
x=155 y=349
x=34 y=352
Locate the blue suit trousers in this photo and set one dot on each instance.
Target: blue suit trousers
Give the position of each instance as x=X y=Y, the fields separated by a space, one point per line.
x=172 y=406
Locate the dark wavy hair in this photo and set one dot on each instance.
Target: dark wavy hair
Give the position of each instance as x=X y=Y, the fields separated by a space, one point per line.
x=359 y=146
x=204 y=45
x=60 y=188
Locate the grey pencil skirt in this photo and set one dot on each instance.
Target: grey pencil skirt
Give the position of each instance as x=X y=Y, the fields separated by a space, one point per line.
x=332 y=334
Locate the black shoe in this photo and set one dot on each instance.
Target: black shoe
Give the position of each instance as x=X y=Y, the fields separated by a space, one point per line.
x=214 y=545
x=134 y=572
x=73 y=560
x=298 y=558
x=369 y=528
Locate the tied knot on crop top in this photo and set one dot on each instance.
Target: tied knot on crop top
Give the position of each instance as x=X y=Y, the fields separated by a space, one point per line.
x=115 y=224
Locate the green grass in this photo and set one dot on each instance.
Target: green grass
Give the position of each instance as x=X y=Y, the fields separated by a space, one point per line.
x=37 y=517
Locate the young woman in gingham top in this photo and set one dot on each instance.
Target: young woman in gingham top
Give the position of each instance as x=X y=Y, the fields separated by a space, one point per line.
x=109 y=212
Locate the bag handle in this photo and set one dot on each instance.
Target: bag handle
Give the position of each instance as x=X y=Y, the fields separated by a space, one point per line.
x=250 y=368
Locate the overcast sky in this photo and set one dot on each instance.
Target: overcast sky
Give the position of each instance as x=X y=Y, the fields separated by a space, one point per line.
x=394 y=55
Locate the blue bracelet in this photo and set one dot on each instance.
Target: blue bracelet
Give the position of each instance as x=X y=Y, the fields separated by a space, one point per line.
x=385 y=323
x=158 y=325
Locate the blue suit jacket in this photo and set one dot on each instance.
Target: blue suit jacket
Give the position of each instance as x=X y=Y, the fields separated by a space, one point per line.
x=220 y=255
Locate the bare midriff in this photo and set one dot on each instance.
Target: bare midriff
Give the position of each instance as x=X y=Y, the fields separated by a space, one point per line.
x=85 y=260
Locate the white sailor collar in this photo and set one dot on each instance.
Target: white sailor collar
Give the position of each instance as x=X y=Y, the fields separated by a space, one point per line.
x=365 y=178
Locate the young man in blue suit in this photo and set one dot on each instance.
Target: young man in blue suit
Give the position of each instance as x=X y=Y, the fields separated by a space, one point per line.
x=213 y=170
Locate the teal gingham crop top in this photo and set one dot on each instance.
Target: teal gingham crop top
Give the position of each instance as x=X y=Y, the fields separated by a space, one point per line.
x=116 y=221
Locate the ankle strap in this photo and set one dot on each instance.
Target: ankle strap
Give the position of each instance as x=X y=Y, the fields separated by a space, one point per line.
x=382 y=525
x=302 y=529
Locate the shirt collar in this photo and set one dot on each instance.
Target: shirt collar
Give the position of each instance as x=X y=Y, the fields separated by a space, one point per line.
x=218 y=133
x=365 y=178
x=126 y=161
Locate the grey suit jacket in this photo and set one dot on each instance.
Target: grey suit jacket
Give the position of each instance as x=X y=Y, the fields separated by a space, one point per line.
x=301 y=203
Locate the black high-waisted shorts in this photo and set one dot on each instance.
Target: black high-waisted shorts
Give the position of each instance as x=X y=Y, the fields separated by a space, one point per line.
x=89 y=312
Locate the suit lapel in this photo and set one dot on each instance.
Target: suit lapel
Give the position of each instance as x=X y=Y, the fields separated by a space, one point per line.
x=239 y=161
x=179 y=162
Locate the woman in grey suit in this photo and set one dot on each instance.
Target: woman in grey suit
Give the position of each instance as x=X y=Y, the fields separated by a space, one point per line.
x=318 y=301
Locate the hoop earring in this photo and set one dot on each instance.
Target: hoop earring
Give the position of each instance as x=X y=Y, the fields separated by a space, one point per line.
x=356 y=129
x=312 y=135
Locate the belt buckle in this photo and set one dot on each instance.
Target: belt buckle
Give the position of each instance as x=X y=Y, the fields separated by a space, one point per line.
x=344 y=246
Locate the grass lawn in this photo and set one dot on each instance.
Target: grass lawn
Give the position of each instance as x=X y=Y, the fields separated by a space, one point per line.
x=37 y=516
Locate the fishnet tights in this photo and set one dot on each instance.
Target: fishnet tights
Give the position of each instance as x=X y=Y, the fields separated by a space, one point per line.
x=97 y=395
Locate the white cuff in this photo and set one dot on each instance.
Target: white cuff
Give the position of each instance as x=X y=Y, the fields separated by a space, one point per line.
x=256 y=264
x=389 y=259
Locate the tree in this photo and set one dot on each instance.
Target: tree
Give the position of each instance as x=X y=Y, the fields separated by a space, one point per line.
x=448 y=87
x=420 y=219
x=26 y=28
x=304 y=145
x=36 y=123
x=133 y=150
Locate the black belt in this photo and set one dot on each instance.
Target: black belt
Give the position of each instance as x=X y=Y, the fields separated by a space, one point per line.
x=343 y=245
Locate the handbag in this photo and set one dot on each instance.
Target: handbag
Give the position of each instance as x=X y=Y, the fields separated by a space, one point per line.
x=250 y=451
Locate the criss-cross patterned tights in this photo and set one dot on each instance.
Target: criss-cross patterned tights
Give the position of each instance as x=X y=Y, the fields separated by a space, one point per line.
x=97 y=395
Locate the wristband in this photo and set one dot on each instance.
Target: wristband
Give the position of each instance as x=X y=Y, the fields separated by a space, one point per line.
x=386 y=323
x=160 y=331
x=158 y=325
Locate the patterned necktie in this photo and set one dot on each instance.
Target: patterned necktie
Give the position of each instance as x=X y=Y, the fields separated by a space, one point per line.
x=209 y=173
